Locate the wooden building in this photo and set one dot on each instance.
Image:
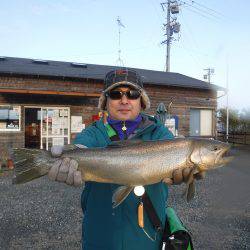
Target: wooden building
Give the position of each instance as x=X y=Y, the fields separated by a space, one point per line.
x=47 y=102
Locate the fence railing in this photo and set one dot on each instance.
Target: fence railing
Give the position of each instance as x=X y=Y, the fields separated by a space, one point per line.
x=233 y=137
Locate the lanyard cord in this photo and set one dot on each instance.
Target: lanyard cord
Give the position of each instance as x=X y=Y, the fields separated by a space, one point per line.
x=151 y=238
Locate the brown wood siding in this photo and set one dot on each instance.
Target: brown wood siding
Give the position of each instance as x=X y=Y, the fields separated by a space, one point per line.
x=182 y=100
x=49 y=85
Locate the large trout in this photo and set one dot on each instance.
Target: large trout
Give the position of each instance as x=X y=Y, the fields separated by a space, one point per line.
x=128 y=163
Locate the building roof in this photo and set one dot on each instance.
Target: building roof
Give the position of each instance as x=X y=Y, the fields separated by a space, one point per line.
x=35 y=67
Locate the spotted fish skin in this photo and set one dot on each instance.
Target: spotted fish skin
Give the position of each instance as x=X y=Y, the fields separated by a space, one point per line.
x=129 y=163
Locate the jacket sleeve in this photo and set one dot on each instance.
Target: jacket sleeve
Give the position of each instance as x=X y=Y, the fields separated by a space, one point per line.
x=87 y=138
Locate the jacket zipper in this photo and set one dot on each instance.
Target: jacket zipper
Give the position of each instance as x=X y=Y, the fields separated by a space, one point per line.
x=124 y=129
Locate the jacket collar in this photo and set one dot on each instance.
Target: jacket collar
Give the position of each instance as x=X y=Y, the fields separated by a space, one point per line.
x=147 y=124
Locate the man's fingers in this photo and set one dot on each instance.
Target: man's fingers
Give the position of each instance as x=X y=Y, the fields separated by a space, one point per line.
x=63 y=171
x=56 y=150
x=180 y=176
x=168 y=181
x=73 y=165
x=77 y=178
x=53 y=172
x=177 y=177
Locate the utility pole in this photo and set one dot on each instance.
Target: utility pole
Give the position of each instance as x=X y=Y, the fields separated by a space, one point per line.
x=171 y=26
x=227 y=123
x=207 y=76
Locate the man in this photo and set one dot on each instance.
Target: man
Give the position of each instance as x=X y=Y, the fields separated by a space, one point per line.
x=106 y=228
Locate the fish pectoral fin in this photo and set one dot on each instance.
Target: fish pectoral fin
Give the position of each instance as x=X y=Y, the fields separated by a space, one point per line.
x=190 y=192
x=190 y=189
x=120 y=194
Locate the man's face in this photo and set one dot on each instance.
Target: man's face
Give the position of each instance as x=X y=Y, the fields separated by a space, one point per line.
x=124 y=108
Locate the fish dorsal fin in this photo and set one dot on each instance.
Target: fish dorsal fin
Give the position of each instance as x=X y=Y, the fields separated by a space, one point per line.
x=125 y=143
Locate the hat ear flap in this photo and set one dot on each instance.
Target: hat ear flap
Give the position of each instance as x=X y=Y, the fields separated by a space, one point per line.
x=102 y=102
x=145 y=100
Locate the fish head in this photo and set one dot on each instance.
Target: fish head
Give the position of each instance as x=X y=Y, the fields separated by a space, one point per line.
x=209 y=153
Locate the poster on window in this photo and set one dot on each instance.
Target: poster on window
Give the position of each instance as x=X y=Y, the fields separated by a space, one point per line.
x=55 y=113
x=3 y=125
x=76 y=124
x=63 y=113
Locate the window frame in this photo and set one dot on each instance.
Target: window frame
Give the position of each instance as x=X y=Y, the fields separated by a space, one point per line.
x=8 y=106
x=200 y=121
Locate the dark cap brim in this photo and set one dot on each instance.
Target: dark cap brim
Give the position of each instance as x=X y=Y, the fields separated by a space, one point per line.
x=123 y=83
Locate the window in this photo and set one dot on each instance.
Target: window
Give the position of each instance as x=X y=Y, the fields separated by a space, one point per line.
x=201 y=122
x=10 y=118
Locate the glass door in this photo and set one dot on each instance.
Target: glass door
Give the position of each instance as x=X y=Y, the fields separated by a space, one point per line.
x=54 y=127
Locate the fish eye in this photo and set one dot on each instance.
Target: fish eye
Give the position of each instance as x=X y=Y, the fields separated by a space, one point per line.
x=216 y=148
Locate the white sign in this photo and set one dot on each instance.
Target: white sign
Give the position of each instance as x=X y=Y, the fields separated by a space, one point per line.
x=63 y=112
x=76 y=124
x=170 y=124
x=55 y=114
x=3 y=125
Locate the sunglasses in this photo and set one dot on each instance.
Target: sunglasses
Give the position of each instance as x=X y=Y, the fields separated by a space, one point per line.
x=130 y=94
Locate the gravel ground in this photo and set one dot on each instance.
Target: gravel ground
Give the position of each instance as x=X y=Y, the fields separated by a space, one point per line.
x=46 y=215
x=39 y=215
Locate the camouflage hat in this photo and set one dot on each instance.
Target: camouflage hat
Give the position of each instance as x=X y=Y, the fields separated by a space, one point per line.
x=123 y=77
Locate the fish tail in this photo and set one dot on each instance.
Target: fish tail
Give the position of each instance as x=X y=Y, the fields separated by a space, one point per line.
x=29 y=164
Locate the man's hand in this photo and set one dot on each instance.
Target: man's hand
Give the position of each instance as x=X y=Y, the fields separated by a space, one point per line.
x=180 y=176
x=64 y=169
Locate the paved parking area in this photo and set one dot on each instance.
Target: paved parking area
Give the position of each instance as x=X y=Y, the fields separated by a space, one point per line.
x=219 y=216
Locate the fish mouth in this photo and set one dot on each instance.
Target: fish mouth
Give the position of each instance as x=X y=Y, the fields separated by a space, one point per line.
x=224 y=156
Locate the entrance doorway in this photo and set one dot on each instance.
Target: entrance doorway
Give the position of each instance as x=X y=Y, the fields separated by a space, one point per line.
x=32 y=128
x=46 y=127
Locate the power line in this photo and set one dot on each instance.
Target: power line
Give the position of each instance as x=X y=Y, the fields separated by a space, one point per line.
x=161 y=19
x=199 y=13
x=188 y=51
x=200 y=10
x=203 y=6
x=189 y=30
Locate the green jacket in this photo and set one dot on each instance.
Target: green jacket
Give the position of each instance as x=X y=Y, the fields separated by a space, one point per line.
x=105 y=228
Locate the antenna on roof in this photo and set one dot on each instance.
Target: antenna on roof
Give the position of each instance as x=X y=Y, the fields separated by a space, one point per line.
x=119 y=60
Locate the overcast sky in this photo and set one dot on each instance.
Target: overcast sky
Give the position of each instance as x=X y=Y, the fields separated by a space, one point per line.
x=213 y=34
